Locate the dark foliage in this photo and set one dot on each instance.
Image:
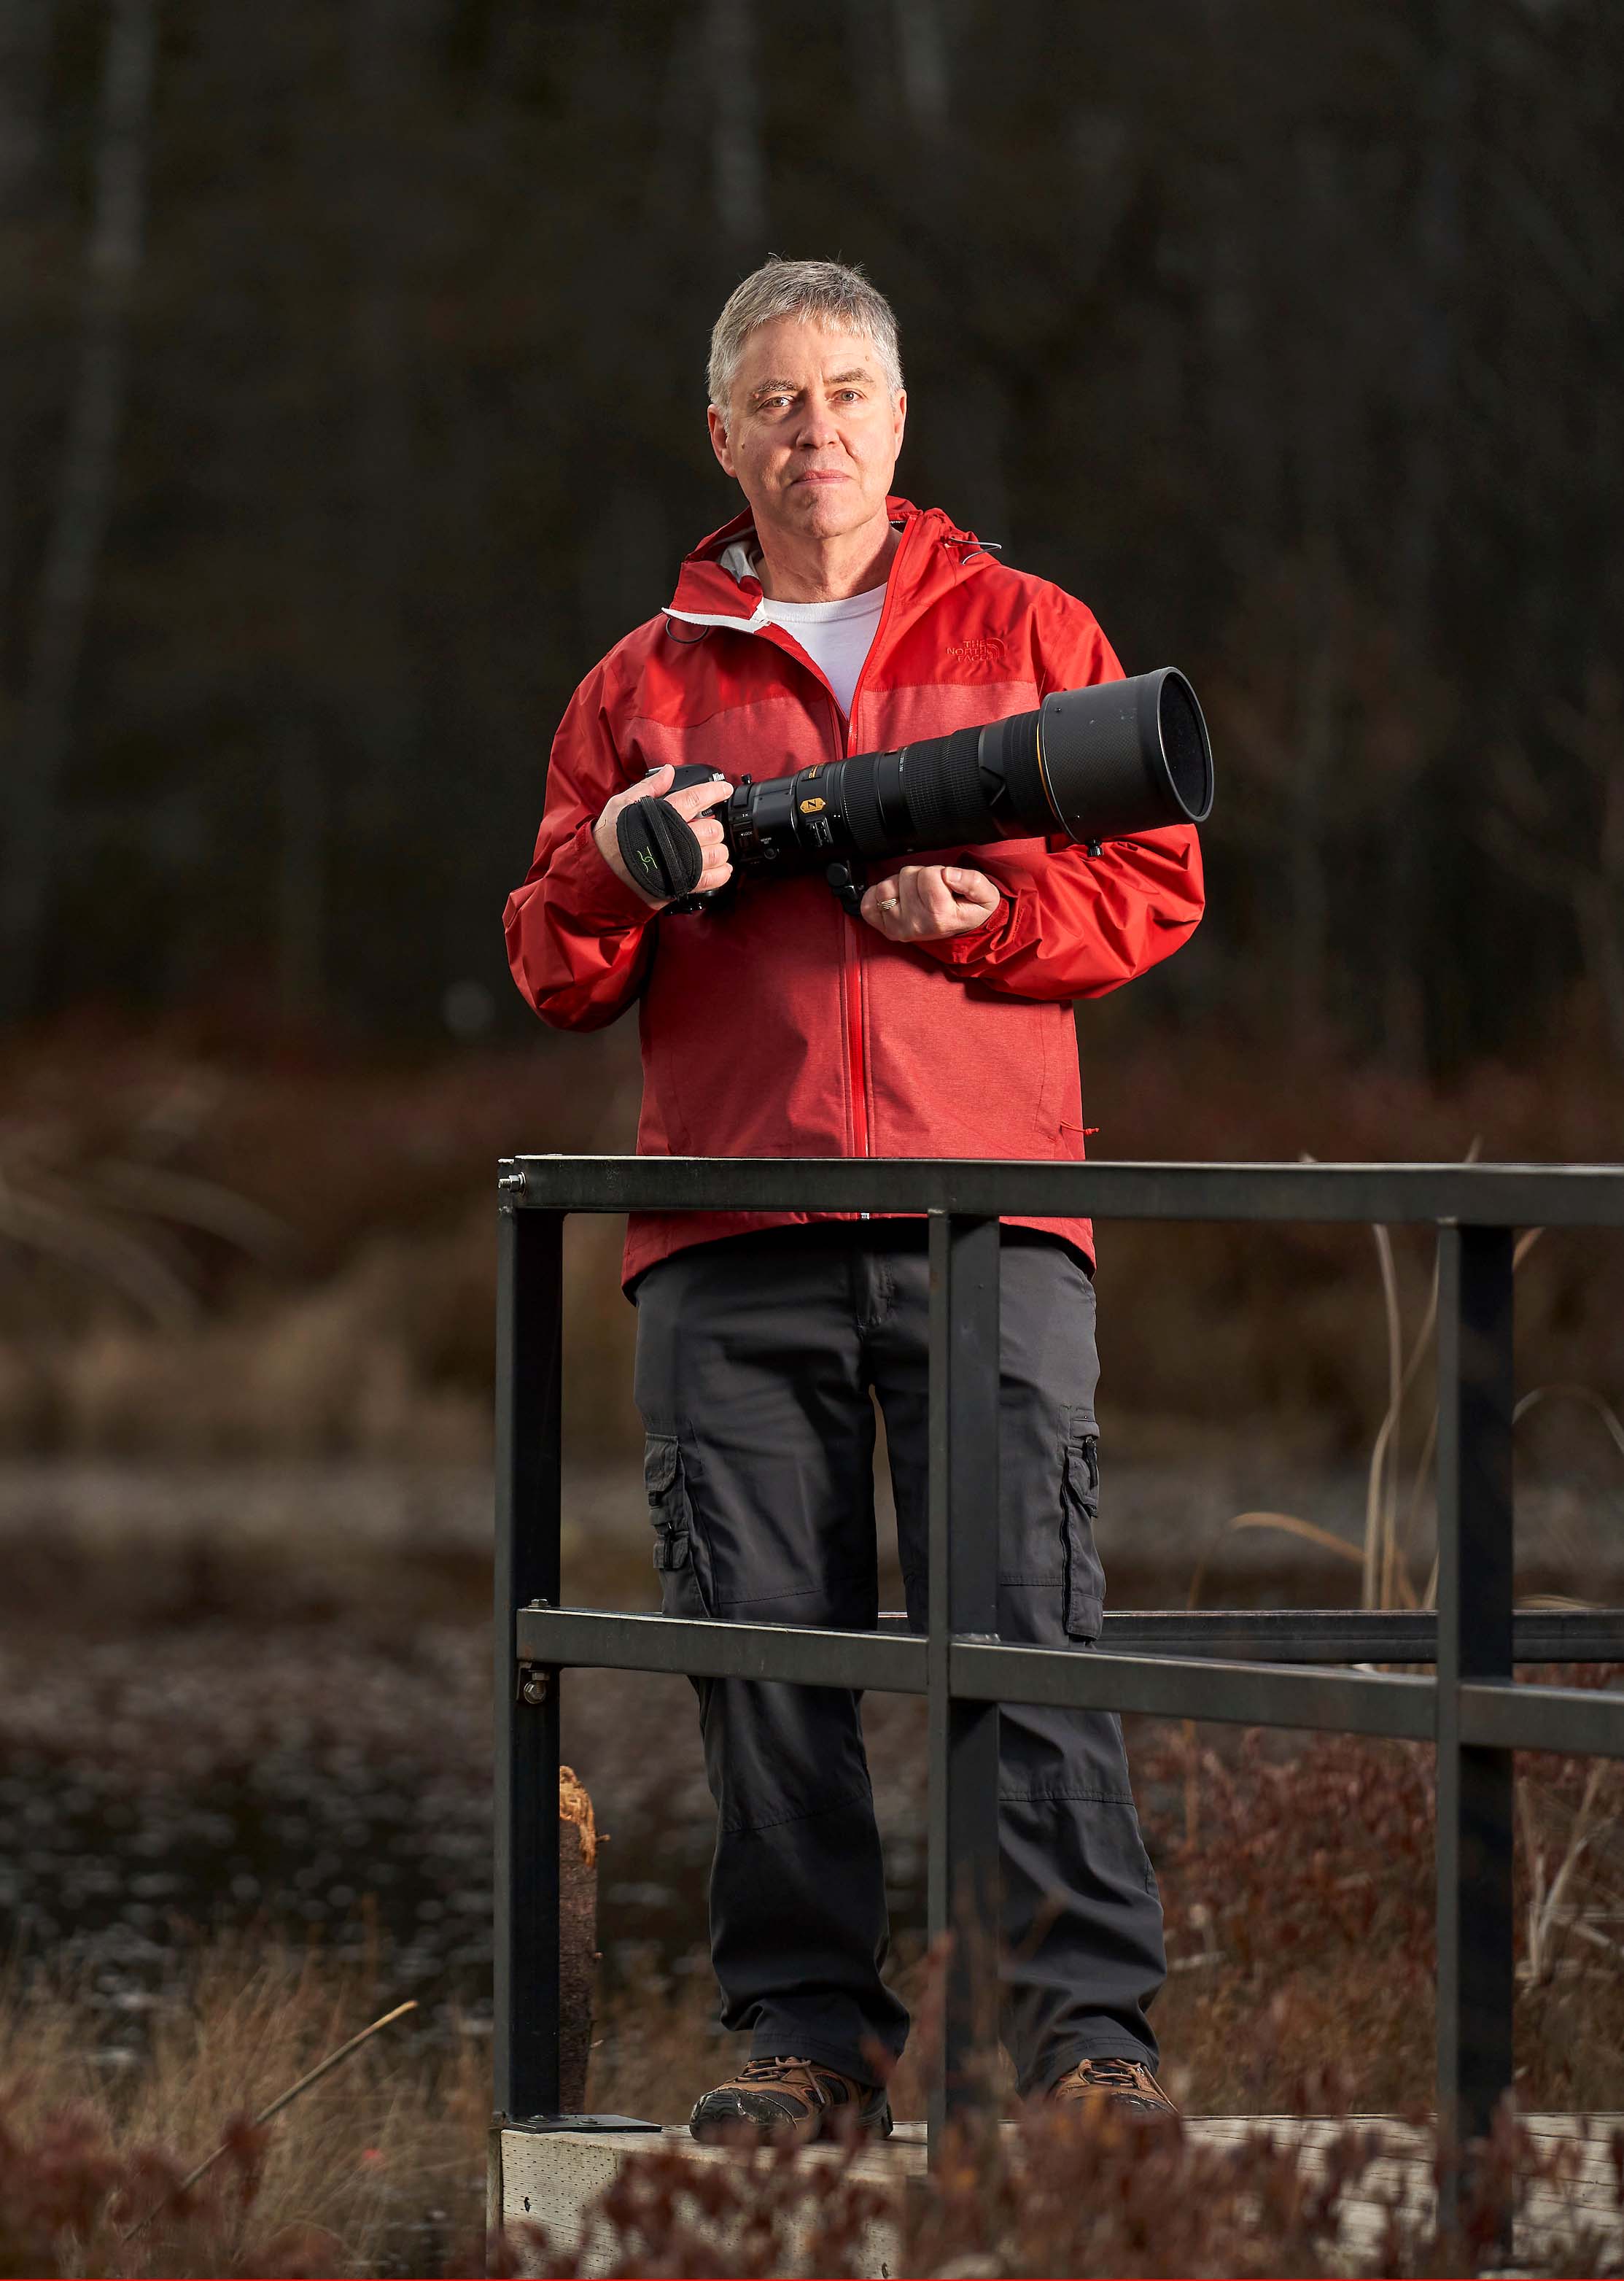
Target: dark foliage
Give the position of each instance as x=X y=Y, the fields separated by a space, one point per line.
x=1285 y=336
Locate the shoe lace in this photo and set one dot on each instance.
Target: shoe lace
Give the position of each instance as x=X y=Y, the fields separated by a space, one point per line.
x=769 y=2070
x=1119 y=2074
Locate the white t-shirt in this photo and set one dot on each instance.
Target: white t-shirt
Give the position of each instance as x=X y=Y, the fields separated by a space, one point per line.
x=836 y=636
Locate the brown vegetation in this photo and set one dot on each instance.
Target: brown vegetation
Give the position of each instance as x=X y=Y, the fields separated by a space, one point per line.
x=377 y=2168
x=220 y=1253
x=212 y=1251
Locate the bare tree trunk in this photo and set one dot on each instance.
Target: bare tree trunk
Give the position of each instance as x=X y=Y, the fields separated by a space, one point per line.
x=84 y=501
x=1311 y=774
x=738 y=162
x=1597 y=906
x=1320 y=423
x=301 y=901
x=387 y=686
x=1598 y=892
x=868 y=62
x=578 y=1844
x=25 y=42
x=921 y=54
x=1439 y=232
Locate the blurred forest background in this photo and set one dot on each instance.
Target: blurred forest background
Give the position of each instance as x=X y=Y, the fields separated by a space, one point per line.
x=352 y=405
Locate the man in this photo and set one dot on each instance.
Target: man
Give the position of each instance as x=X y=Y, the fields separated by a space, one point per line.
x=829 y=617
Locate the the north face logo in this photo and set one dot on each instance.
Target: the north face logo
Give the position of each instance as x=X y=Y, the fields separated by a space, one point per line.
x=984 y=649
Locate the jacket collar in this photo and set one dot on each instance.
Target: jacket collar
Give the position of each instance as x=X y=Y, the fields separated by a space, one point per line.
x=934 y=556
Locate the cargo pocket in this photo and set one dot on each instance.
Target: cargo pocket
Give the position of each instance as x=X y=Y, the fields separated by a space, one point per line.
x=1085 y=1579
x=671 y=1510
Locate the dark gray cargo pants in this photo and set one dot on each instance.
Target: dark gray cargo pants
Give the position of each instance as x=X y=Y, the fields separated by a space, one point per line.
x=755 y=1358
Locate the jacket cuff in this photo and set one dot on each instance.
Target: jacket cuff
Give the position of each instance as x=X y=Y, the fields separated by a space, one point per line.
x=600 y=902
x=969 y=948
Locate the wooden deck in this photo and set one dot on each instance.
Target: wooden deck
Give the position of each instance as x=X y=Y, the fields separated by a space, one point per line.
x=551 y=2178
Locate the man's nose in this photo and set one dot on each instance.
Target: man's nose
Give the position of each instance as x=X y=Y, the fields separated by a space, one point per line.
x=818 y=429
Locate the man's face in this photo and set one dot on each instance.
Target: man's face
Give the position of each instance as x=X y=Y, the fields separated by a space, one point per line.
x=812 y=431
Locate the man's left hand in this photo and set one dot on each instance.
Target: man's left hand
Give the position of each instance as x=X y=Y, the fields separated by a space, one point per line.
x=925 y=902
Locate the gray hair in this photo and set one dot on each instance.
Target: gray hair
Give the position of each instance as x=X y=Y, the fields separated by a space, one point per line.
x=834 y=293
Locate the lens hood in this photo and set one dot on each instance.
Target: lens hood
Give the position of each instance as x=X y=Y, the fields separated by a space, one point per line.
x=1125 y=756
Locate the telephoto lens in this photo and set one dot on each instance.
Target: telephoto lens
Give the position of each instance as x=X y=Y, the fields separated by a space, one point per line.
x=1089 y=764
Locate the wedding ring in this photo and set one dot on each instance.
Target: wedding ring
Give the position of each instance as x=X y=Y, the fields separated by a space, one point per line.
x=888 y=902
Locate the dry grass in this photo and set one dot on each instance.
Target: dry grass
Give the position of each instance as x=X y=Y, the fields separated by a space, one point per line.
x=379 y=2166
x=1296 y=1877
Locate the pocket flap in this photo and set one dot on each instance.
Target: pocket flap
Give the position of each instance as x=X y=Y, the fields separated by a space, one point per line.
x=659 y=1463
x=1083 y=1469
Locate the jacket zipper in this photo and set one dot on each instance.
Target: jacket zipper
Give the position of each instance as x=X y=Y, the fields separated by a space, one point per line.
x=852 y=957
x=851 y=946
x=851 y=952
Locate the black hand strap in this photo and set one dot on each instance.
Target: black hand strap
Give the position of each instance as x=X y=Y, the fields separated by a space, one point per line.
x=660 y=849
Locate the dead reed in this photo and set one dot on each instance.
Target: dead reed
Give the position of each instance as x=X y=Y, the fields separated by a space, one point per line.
x=376 y=2168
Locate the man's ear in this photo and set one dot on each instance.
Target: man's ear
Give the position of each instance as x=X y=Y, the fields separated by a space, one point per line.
x=718 y=440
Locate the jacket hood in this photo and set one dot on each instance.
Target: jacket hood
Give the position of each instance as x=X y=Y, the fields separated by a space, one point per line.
x=934 y=554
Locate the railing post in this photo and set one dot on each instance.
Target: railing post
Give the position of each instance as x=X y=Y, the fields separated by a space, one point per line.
x=529 y=1336
x=963 y=1828
x=1476 y=1394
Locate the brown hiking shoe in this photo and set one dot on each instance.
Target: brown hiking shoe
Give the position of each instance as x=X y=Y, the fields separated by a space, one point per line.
x=789 y=2102
x=1111 y=2087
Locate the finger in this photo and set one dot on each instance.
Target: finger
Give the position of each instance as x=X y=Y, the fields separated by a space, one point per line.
x=975 y=885
x=708 y=832
x=937 y=900
x=649 y=786
x=693 y=799
x=905 y=920
x=716 y=872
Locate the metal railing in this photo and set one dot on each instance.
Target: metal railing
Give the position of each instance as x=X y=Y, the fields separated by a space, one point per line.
x=1279 y=1669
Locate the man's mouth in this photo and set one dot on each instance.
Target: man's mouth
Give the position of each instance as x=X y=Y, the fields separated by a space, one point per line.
x=822 y=476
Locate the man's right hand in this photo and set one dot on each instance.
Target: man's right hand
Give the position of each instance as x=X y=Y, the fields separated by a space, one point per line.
x=690 y=803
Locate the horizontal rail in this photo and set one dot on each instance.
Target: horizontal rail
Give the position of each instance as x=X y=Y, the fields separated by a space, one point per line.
x=1205 y=1686
x=1164 y=1687
x=615 y=1641
x=605 y=1640
x=1244 y=1694
x=1355 y=1635
x=979 y=1670
x=1484 y=1196
x=1576 y=1721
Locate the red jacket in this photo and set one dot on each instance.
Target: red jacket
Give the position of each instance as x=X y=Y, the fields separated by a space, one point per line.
x=782 y=1027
